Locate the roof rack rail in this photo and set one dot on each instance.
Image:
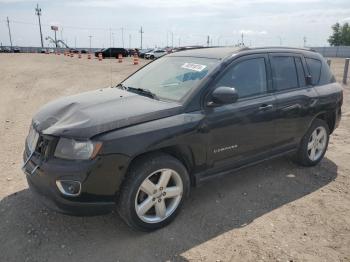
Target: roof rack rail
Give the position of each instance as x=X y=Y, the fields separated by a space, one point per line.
x=284 y=47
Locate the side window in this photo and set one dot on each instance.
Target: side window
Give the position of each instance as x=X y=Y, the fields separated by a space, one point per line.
x=248 y=77
x=284 y=72
x=314 y=66
x=300 y=70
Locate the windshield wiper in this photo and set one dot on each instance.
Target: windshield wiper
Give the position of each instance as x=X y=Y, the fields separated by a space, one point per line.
x=141 y=91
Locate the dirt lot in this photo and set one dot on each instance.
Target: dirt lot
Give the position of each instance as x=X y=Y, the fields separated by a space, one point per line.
x=275 y=211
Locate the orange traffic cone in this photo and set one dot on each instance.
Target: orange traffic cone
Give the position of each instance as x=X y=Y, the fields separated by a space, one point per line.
x=100 y=57
x=89 y=56
x=136 y=59
x=120 y=58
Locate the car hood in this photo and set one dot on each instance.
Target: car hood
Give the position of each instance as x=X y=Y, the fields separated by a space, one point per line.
x=85 y=115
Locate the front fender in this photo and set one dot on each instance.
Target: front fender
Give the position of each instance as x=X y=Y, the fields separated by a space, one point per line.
x=179 y=130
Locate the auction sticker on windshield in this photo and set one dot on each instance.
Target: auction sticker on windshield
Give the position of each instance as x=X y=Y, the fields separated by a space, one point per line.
x=194 y=67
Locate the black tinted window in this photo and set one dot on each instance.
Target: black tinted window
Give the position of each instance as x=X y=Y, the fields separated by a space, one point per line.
x=314 y=66
x=300 y=70
x=248 y=77
x=284 y=72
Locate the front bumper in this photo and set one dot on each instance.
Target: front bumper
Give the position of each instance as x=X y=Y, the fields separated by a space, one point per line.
x=100 y=181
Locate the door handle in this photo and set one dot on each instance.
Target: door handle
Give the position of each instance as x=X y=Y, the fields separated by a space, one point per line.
x=265 y=107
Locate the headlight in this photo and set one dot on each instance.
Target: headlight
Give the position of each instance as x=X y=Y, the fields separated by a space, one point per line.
x=73 y=149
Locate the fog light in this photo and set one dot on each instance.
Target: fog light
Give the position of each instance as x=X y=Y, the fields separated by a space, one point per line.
x=69 y=187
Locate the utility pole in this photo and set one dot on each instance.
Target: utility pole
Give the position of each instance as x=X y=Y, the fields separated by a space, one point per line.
x=129 y=41
x=38 y=13
x=208 y=39
x=122 y=36
x=280 y=40
x=172 y=39
x=8 y=26
x=167 y=39
x=75 y=41
x=141 y=32
x=90 y=36
x=242 y=40
x=304 y=41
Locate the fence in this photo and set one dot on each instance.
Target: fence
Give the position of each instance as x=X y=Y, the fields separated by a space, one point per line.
x=333 y=51
x=33 y=49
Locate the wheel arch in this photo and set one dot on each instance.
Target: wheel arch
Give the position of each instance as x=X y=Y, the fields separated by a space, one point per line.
x=329 y=117
x=183 y=154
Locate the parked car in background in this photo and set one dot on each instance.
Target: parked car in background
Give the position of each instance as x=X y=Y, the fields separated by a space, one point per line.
x=16 y=50
x=73 y=50
x=185 y=118
x=142 y=52
x=133 y=51
x=156 y=53
x=6 y=50
x=112 y=52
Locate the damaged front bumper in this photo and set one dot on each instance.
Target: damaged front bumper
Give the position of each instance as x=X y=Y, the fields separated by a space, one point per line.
x=99 y=181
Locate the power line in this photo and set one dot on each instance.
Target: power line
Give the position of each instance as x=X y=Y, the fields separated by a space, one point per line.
x=8 y=26
x=38 y=13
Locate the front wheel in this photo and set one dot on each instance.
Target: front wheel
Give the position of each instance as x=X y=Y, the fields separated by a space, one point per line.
x=314 y=144
x=153 y=192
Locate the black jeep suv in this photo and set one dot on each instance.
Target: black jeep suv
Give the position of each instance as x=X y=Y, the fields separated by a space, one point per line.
x=178 y=121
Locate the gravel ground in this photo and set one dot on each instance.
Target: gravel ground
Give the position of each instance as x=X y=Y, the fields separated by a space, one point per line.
x=275 y=211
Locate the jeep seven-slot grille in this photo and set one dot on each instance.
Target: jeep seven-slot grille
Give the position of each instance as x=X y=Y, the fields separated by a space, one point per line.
x=44 y=146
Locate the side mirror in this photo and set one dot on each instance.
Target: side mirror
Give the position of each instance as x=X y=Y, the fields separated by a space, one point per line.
x=223 y=95
x=308 y=80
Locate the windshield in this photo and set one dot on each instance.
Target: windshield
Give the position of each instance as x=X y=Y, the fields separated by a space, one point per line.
x=171 y=77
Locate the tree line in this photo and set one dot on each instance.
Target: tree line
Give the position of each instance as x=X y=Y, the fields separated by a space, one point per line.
x=340 y=35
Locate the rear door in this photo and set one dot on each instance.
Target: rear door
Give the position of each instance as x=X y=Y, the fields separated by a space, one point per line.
x=243 y=131
x=295 y=100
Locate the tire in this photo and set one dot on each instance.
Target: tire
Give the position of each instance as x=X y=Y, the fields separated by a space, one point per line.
x=304 y=155
x=142 y=187
x=151 y=57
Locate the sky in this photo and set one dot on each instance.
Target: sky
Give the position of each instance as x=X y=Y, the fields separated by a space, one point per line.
x=173 y=22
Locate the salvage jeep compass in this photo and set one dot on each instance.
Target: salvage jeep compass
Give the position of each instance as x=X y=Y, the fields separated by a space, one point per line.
x=178 y=121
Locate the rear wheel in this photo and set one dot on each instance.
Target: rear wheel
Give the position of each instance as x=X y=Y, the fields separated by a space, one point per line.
x=314 y=144
x=153 y=192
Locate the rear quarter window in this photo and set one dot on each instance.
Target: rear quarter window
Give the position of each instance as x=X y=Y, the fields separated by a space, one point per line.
x=284 y=73
x=314 y=66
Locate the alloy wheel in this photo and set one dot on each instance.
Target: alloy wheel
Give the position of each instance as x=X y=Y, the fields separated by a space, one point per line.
x=158 y=196
x=317 y=143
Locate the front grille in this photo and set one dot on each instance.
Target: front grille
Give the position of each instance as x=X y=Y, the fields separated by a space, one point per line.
x=42 y=148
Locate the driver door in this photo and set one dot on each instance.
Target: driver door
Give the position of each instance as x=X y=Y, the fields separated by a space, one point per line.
x=243 y=131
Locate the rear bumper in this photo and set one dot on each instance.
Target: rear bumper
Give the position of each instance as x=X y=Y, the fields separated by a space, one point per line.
x=100 y=181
